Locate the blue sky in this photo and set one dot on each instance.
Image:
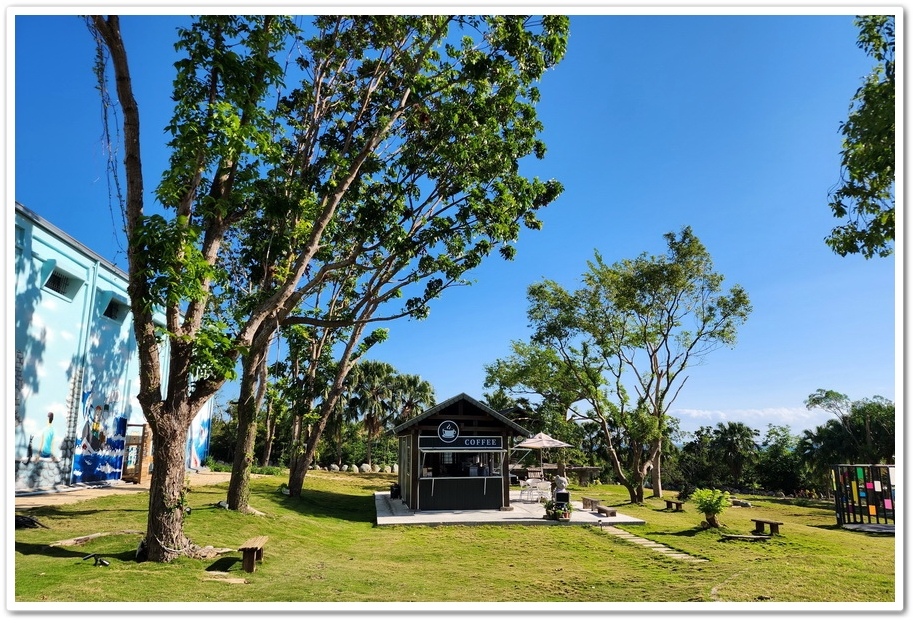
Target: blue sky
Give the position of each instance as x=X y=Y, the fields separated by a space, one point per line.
x=726 y=123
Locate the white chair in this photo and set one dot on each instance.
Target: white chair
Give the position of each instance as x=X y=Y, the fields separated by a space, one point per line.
x=530 y=492
x=543 y=490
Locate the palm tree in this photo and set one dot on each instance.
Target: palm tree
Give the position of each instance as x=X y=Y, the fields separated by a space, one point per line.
x=342 y=415
x=371 y=396
x=734 y=443
x=411 y=396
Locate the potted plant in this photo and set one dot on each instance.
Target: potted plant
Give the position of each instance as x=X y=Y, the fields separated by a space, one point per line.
x=711 y=502
x=559 y=511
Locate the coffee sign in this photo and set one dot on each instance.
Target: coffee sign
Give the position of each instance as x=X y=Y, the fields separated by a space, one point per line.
x=448 y=431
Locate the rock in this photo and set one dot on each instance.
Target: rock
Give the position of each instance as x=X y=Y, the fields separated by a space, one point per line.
x=334 y=467
x=365 y=468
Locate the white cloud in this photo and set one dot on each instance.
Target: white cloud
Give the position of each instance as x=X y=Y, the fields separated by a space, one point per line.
x=796 y=418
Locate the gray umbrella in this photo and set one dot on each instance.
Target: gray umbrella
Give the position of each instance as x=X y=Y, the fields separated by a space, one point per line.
x=539 y=442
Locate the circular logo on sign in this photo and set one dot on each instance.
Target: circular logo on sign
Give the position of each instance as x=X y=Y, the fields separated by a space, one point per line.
x=448 y=431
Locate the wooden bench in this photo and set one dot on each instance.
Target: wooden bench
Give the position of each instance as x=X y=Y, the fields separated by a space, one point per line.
x=590 y=504
x=760 y=523
x=607 y=511
x=252 y=552
x=675 y=504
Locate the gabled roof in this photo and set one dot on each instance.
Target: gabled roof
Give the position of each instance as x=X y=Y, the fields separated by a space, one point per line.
x=496 y=415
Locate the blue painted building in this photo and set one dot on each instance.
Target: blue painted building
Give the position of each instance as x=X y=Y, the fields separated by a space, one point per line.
x=76 y=366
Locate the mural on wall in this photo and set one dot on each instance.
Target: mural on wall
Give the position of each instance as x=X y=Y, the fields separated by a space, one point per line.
x=100 y=444
x=198 y=440
x=76 y=368
x=43 y=444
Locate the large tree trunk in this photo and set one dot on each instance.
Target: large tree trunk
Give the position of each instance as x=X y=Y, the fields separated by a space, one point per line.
x=250 y=392
x=657 y=469
x=297 y=475
x=296 y=446
x=345 y=364
x=634 y=488
x=165 y=538
x=269 y=442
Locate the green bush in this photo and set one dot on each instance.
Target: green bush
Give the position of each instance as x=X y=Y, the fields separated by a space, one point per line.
x=270 y=470
x=711 y=502
x=217 y=466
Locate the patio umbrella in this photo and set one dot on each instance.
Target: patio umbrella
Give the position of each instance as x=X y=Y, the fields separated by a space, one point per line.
x=539 y=442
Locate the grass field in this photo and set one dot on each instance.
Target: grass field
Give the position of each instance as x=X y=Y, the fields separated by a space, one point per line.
x=325 y=548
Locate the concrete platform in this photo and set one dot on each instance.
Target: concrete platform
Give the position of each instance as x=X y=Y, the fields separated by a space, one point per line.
x=524 y=513
x=873 y=528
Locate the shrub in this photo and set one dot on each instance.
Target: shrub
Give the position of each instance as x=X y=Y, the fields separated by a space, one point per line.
x=686 y=491
x=711 y=502
x=270 y=470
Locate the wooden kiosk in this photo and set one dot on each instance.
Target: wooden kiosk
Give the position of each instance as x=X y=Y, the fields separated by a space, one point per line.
x=455 y=456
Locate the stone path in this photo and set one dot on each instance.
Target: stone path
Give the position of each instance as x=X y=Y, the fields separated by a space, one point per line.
x=658 y=548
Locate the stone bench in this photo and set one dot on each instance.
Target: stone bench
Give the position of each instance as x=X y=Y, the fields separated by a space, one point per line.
x=759 y=526
x=590 y=504
x=606 y=510
x=252 y=552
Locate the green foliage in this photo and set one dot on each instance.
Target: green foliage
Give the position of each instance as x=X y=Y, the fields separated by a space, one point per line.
x=865 y=197
x=861 y=431
x=614 y=352
x=710 y=502
x=368 y=164
x=212 y=353
x=778 y=466
x=734 y=445
x=215 y=465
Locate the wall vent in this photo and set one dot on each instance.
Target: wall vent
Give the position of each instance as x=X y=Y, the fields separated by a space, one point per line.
x=58 y=282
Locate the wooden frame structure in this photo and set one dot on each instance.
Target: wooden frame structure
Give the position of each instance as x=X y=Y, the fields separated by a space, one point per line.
x=455 y=456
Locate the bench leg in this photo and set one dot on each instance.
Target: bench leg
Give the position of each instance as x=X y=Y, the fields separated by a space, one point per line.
x=249 y=558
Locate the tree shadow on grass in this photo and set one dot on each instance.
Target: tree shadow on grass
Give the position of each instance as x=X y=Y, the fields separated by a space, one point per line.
x=49 y=551
x=802 y=502
x=342 y=506
x=690 y=531
x=50 y=513
x=41 y=549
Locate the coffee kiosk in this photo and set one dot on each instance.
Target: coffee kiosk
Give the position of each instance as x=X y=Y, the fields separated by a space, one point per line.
x=455 y=456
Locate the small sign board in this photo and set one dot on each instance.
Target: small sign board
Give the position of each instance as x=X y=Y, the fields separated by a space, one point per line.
x=483 y=443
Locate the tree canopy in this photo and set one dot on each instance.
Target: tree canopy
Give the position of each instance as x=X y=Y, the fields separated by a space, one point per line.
x=377 y=153
x=865 y=195
x=616 y=350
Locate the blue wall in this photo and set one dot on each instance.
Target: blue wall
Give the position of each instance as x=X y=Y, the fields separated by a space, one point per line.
x=76 y=358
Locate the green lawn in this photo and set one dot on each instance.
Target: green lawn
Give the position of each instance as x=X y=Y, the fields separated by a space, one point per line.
x=325 y=547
